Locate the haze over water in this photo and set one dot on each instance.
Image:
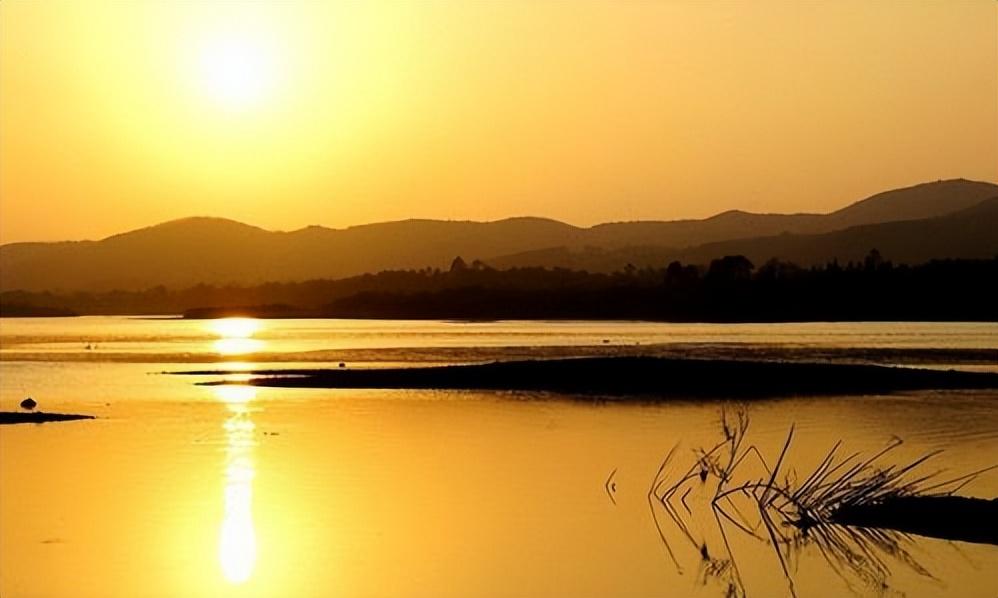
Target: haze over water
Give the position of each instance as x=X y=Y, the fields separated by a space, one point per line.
x=185 y=490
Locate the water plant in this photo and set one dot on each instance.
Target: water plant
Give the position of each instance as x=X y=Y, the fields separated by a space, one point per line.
x=767 y=500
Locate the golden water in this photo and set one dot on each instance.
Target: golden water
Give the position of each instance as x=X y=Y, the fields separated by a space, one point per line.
x=184 y=490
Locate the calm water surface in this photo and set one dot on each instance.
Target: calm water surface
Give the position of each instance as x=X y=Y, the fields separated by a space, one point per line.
x=181 y=490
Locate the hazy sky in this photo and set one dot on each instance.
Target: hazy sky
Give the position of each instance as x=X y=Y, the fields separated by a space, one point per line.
x=120 y=115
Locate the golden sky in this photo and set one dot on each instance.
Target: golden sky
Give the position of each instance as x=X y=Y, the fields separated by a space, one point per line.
x=119 y=115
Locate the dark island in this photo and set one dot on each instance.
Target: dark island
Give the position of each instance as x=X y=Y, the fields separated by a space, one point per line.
x=38 y=417
x=634 y=376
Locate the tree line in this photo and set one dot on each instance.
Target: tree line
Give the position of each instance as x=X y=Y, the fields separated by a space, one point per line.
x=729 y=288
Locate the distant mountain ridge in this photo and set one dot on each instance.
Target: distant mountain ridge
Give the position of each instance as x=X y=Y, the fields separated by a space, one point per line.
x=969 y=233
x=912 y=224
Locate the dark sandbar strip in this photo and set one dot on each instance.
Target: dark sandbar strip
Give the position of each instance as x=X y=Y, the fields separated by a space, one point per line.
x=38 y=417
x=635 y=376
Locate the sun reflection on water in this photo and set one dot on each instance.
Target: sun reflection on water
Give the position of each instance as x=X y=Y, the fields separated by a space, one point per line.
x=237 y=536
x=236 y=336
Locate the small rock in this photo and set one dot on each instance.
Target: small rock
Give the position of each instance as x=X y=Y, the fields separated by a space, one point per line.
x=28 y=403
x=343 y=365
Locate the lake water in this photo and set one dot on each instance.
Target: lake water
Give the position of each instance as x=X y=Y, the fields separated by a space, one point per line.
x=185 y=490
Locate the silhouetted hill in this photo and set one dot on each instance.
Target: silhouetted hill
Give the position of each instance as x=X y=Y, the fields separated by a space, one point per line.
x=912 y=203
x=733 y=224
x=191 y=251
x=186 y=252
x=969 y=233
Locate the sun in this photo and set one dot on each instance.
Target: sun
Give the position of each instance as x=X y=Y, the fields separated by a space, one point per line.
x=237 y=71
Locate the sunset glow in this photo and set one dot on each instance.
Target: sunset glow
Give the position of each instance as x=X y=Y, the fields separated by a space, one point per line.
x=498 y=298
x=121 y=115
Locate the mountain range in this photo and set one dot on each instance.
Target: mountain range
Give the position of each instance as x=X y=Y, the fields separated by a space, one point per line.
x=943 y=219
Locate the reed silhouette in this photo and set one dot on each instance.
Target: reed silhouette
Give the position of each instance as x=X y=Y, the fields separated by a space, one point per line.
x=858 y=512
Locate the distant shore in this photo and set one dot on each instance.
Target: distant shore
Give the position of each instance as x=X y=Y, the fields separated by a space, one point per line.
x=728 y=289
x=16 y=310
x=633 y=376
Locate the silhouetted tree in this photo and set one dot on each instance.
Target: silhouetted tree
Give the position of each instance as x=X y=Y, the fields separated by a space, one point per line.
x=458 y=265
x=730 y=268
x=774 y=269
x=778 y=291
x=678 y=275
x=873 y=260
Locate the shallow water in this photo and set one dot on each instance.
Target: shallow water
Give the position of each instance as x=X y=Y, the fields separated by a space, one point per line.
x=180 y=490
x=106 y=339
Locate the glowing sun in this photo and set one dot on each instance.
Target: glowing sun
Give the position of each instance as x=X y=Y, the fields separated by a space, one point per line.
x=237 y=72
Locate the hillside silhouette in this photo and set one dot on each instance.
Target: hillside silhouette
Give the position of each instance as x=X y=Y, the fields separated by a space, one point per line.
x=215 y=251
x=970 y=233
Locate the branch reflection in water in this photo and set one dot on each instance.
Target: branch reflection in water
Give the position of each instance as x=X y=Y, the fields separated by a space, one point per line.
x=746 y=498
